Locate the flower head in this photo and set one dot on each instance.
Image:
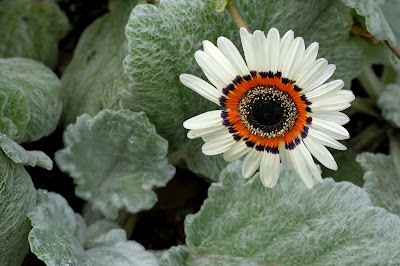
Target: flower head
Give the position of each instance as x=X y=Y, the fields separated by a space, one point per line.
x=276 y=105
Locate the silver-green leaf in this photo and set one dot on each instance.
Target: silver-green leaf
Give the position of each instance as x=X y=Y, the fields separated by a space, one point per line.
x=17 y=198
x=389 y=102
x=382 y=181
x=21 y=156
x=30 y=101
x=243 y=223
x=95 y=75
x=116 y=158
x=60 y=237
x=32 y=29
x=375 y=20
x=163 y=40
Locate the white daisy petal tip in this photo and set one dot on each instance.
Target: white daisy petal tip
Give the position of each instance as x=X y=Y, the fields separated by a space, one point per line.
x=277 y=106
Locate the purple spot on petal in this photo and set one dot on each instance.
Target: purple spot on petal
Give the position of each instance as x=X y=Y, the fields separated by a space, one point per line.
x=247 y=77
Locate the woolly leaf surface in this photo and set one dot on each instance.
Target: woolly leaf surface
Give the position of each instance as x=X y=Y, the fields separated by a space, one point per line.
x=389 y=102
x=243 y=223
x=60 y=237
x=163 y=40
x=19 y=155
x=116 y=158
x=17 y=198
x=95 y=74
x=32 y=29
x=382 y=181
x=30 y=104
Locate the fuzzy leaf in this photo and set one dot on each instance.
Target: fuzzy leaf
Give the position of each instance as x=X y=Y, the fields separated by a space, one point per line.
x=19 y=155
x=30 y=102
x=60 y=237
x=95 y=75
x=391 y=10
x=389 y=102
x=243 y=223
x=17 y=198
x=116 y=159
x=382 y=181
x=31 y=28
x=375 y=20
x=163 y=40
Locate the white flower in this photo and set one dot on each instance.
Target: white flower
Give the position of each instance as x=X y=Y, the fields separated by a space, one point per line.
x=277 y=107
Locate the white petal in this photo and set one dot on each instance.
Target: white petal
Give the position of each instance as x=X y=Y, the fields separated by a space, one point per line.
x=236 y=151
x=336 y=117
x=311 y=73
x=343 y=97
x=204 y=120
x=232 y=54
x=309 y=161
x=220 y=59
x=269 y=169
x=292 y=58
x=273 y=41
x=260 y=51
x=321 y=153
x=218 y=143
x=284 y=49
x=196 y=133
x=324 y=76
x=211 y=70
x=287 y=163
x=324 y=139
x=309 y=56
x=300 y=167
x=325 y=90
x=330 y=128
x=251 y=163
x=201 y=87
x=247 y=43
x=220 y=134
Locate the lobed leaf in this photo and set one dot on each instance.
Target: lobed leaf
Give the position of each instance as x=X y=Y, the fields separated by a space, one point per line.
x=17 y=198
x=30 y=103
x=116 y=158
x=243 y=223
x=21 y=156
x=32 y=29
x=95 y=74
x=60 y=237
x=163 y=40
x=389 y=102
x=382 y=181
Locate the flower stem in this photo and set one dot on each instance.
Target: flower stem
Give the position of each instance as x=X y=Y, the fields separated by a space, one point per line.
x=361 y=32
x=370 y=82
x=366 y=106
x=236 y=16
x=394 y=142
x=393 y=49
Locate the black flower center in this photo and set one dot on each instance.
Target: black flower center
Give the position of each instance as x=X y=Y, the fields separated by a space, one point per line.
x=267 y=111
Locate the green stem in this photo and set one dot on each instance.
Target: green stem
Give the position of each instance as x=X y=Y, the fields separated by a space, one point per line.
x=389 y=75
x=236 y=16
x=366 y=106
x=127 y=221
x=395 y=150
x=369 y=137
x=370 y=82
